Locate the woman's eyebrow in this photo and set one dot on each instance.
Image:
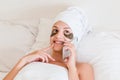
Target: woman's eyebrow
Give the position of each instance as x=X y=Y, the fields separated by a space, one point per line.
x=66 y=28
x=63 y=28
x=55 y=27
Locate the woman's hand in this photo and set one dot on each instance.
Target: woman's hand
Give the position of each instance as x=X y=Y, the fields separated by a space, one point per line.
x=71 y=59
x=71 y=62
x=38 y=56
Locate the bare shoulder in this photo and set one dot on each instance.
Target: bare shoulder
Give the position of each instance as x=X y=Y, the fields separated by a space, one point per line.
x=84 y=69
x=84 y=66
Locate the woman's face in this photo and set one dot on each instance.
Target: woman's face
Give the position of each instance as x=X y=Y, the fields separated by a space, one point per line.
x=60 y=34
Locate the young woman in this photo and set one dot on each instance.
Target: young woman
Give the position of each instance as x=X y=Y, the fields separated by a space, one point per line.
x=61 y=36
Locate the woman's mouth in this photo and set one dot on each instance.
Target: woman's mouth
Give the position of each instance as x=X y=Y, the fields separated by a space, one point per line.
x=58 y=42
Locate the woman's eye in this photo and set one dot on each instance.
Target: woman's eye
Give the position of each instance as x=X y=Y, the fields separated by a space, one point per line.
x=54 y=32
x=66 y=32
x=68 y=35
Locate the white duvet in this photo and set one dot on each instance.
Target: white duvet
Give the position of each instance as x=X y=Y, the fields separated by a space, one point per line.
x=42 y=71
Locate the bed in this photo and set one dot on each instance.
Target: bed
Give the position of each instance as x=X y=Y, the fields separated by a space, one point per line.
x=100 y=48
x=21 y=33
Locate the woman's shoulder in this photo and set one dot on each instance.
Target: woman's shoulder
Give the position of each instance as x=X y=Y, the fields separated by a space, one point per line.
x=84 y=68
x=83 y=65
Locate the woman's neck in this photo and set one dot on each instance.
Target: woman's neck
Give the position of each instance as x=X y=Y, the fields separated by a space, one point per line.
x=57 y=55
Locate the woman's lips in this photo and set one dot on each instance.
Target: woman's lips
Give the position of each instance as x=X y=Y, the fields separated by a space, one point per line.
x=59 y=42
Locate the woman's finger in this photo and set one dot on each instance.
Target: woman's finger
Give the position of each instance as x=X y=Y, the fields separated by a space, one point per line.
x=68 y=44
x=42 y=58
x=46 y=58
x=50 y=57
x=66 y=59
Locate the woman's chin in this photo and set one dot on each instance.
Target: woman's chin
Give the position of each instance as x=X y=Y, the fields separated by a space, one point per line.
x=57 y=49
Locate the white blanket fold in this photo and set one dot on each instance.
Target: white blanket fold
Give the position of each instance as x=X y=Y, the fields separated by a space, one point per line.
x=42 y=71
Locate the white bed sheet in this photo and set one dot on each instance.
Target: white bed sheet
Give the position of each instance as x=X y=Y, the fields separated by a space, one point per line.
x=104 y=56
x=101 y=49
x=2 y=75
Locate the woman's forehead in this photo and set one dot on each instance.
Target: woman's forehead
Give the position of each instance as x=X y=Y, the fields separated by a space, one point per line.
x=61 y=24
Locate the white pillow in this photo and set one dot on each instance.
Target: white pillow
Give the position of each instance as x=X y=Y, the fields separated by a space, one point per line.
x=44 y=32
x=15 y=41
x=32 y=25
x=101 y=48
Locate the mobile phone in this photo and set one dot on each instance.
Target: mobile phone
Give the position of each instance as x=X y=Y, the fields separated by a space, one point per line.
x=66 y=53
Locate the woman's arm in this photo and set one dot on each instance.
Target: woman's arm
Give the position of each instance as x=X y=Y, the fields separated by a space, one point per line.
x=71 y=62
x=85 y=71
x=21 y=63
x=72 y=73
x=36 y=56
x=15 y=70
x=77 y=71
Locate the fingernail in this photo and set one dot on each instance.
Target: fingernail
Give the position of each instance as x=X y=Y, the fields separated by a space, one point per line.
x=53 y=59
x=65 y=60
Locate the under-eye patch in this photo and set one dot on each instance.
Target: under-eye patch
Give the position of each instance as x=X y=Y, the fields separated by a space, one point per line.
x=54 y=32
x=69 y=36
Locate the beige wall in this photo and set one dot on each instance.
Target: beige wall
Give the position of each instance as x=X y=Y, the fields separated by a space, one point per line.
x=100 y=12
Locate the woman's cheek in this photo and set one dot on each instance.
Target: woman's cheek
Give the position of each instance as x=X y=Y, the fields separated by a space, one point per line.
x=51 y=40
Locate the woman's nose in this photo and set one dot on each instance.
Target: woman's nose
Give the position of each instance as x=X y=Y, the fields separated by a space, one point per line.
x=59 y=35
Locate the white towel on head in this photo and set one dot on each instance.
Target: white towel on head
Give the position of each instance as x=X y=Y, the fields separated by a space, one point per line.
x=75 y=18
